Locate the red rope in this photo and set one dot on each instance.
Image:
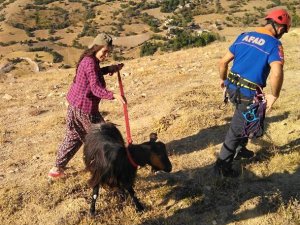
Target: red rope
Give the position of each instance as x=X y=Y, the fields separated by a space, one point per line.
x=128 y=133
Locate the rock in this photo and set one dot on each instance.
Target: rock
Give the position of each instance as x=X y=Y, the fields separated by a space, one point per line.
x=40 y=96
x=35 y=112
x=35 y=157
x=126 y=74
x=7 y=97
x=56 y=86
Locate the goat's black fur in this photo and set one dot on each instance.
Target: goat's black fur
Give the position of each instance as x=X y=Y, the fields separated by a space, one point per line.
x=106 y=159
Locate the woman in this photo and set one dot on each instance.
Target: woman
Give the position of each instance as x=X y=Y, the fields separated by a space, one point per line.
x=84 y=96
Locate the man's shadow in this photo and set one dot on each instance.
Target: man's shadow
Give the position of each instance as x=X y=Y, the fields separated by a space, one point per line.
x=210 y=199
x=210 y=136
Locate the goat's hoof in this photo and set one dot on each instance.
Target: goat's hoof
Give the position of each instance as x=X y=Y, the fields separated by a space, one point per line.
x=92 y=214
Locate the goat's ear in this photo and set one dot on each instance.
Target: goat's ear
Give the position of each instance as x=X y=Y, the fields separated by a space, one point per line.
x=153 y=137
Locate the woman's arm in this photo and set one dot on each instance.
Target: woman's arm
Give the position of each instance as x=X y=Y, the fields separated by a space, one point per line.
x=111 y=69
x=97 y=88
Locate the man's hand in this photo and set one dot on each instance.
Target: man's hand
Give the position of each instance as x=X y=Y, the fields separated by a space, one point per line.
x=222 y=85
x=276 y=78
x=115 y=68
x=271 y=99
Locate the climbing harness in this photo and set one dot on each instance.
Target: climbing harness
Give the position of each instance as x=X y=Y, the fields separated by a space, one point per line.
x=255 y=116
x=225 y=99
x=251 y=115
x=236 y=79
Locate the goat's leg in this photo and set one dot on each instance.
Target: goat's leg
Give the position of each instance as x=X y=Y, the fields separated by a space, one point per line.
x=139 y=207
x=94 y=199
x=123 y=194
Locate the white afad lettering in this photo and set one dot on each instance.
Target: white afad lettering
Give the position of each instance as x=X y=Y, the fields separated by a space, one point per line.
x=251 y=39
x=246 y=38
x=254 y=40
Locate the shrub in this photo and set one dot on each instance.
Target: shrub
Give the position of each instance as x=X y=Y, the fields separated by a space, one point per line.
x=148 y=48
x=117 y=57
x=76 y=44
x=8 y=43
x=295 y=19
x=184 y=39
x=56 y=56
x=88 y=30
x=169 y=5
x=124 y=6
x=43 y=2
x=2 y=17
x=90 y=14
x=150 y=20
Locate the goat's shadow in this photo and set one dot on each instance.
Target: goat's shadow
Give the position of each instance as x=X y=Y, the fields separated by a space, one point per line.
x=221 y=201
x=210 y=136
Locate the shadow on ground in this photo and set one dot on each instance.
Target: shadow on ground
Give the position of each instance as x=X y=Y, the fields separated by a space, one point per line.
x=210 y=136
x=198 y=197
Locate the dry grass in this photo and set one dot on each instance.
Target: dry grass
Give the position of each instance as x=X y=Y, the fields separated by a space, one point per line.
x=177 y=95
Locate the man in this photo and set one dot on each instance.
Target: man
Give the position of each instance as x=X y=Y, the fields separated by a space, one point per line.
x=255 y=55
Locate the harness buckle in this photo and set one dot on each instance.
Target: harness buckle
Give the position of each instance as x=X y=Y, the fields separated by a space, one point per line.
x=251 y=115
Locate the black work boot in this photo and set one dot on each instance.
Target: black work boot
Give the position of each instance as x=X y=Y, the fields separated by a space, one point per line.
x=223 y=168
x=244 y=153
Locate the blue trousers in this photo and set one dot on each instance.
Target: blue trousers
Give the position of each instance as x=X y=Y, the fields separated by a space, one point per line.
x=234 y=140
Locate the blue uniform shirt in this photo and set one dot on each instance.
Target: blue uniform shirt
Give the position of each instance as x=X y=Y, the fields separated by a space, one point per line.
x=253 y=52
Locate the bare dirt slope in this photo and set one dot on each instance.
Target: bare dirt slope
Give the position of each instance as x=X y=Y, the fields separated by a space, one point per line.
x=177 y=95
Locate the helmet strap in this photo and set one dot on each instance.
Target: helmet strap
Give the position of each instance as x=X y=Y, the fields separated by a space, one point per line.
x=275 y=29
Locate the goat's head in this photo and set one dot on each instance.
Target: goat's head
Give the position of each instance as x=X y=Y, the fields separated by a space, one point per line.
x=159 y=159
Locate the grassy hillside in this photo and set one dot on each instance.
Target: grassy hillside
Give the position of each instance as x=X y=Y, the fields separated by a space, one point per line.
x=177 y=95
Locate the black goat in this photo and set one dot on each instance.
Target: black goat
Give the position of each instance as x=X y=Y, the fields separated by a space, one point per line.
x=111 y=163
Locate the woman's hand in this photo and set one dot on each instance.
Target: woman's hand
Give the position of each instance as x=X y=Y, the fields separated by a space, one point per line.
x=120 y=98
x=115 y=68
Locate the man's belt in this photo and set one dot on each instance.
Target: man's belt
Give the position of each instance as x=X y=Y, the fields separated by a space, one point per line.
x=239 y=81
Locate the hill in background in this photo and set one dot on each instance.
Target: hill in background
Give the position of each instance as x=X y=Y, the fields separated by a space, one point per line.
x=53 y=33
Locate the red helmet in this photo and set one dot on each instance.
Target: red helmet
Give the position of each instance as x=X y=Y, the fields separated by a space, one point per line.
x=280 y=16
